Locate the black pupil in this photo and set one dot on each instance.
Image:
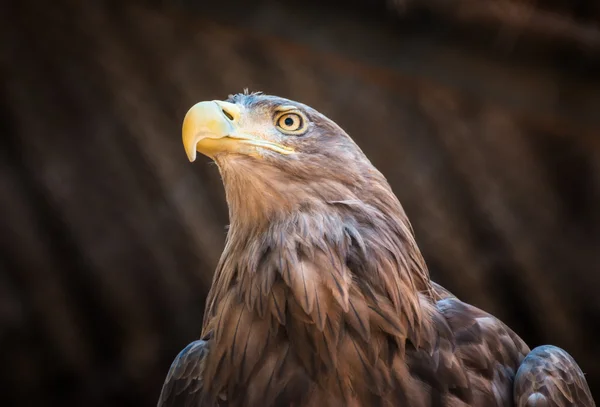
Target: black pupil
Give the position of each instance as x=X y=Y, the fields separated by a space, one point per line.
x=289 y=121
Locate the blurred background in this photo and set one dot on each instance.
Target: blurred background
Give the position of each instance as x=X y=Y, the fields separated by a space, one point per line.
x=483 y=114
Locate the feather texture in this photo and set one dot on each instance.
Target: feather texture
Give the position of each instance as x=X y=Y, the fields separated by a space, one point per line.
x=550 y=377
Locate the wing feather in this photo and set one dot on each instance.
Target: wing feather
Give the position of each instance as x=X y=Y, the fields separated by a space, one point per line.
x=183 y=385
x=550 y=377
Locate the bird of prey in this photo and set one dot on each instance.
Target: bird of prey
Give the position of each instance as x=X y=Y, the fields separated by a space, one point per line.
x=322 y=297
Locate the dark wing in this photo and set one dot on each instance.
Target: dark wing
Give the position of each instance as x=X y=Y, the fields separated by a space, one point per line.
x=183 y=385
x=550 y=377
x=489 y=351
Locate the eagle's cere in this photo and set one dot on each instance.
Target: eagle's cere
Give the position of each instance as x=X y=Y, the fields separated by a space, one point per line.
x=322 y=297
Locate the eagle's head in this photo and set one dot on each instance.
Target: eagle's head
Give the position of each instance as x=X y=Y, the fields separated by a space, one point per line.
x=276 y=155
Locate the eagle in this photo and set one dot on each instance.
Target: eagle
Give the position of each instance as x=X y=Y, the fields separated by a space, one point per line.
x=322 y=297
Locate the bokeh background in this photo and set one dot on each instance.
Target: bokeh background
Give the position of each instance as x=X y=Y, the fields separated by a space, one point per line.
x=483 y=114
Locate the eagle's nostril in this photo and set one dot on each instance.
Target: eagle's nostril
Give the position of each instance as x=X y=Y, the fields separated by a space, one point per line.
x=227 y=114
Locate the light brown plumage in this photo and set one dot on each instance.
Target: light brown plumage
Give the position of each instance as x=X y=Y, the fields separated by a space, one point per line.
x=322 y=297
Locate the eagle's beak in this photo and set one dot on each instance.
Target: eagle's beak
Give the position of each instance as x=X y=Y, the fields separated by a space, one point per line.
x=212 y=128
x=206 y=125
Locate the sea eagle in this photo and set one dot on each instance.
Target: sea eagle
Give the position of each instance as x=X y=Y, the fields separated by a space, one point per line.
x=322 y=297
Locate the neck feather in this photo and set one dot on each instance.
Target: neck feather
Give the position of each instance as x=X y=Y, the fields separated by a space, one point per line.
x=326 y=269
x=348 y=246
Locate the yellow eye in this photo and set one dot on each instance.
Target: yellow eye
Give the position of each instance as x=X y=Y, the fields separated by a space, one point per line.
x=291 y=123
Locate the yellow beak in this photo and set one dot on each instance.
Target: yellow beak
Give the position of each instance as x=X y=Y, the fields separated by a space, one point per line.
x=204 y=127
x=211 y=128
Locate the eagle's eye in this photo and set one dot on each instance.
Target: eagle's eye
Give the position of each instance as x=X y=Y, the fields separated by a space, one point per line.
x=291 y=123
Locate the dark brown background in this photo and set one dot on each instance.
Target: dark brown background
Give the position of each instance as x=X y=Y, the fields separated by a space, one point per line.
x=484 y=116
